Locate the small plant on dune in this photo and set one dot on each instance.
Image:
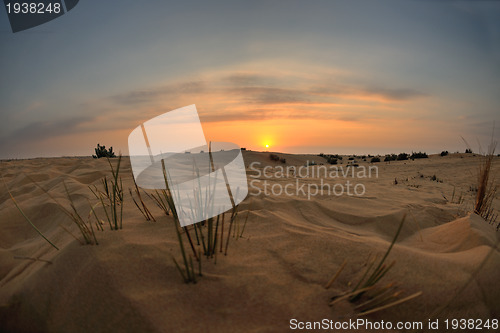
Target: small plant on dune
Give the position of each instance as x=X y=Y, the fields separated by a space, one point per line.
x=444 y=153
x=101 y=151
x=211 y=236
x=375 y=160
x=367 y=294
x=111 y=196
x=188 y=273
x=486 y=187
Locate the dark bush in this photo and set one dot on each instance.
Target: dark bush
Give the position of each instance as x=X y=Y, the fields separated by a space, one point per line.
x=444 y=153
x=402 y=157
x=375 y=160
x=274 y=157
x=468 y=151
x=332 y=160
x=418 y=155
x=101 y=151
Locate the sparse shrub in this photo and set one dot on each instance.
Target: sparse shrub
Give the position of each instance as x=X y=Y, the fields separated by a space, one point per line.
x=444 y=153
x=402 y=157
x=375 y=160
x=486 y=187
x=468 y=151
x=101 y=151
x=351 y=158
x=418 y=155
x=274 y=157
x=332 y=160
x=283 y=160
x=390 y=157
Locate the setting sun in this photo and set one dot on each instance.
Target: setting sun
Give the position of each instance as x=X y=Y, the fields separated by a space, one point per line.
x=267 y=146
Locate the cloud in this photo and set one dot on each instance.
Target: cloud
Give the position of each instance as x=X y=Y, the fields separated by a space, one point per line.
x=236 y=95
x=38 y=131
x=388 y=94
x=149 y=95
x=270 y=95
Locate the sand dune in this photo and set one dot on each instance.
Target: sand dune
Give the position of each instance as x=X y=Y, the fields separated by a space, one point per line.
x=291 y=247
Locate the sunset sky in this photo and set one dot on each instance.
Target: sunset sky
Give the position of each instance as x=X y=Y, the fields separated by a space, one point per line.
x=301 y=76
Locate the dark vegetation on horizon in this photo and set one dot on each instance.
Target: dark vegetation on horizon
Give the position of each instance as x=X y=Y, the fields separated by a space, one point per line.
x=101 y=151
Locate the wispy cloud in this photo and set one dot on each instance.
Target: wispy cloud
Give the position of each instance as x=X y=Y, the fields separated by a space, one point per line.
x=250 y=95
x=46 y=129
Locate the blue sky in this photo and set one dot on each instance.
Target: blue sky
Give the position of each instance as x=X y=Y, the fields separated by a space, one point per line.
x=307 y=76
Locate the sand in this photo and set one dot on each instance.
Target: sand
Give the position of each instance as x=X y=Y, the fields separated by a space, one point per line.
x=276 y=272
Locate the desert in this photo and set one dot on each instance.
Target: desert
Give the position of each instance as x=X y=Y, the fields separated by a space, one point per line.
x=283 y=250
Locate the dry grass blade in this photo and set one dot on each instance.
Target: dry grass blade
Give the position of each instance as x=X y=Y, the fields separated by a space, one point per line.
x=144 y=210
x=87 y=233
x=376 y=296
x=246 y=219
x=26 y=217
x=379 y=301
x=332 y=280
x=33 y=259
x=390 y=304
x=158 y=200
x=350 y=294
x=190 y=275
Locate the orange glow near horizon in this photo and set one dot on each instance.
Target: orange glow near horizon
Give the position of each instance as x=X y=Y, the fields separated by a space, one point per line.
x=291 y=134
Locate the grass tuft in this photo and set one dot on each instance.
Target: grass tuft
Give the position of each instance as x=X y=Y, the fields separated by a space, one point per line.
x=486 y=187
x=367 y=294
x=111 y=196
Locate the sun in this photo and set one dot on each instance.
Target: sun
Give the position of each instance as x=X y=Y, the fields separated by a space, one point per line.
x=267 y=146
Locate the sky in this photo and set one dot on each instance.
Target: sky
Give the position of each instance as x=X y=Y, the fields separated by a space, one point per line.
x=300 y=76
